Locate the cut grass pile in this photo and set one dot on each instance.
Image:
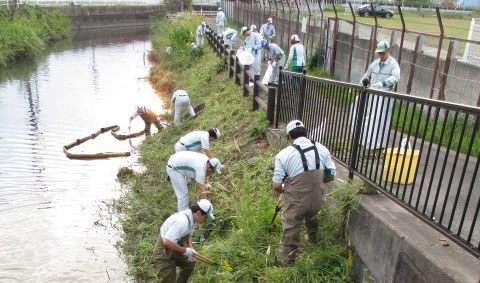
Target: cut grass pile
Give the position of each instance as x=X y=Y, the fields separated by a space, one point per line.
x=242 y=239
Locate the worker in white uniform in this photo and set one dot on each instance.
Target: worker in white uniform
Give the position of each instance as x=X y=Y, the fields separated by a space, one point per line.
x=200 y=32
x=230 y=37
x=184 y=166
x=173 y=247
x=148 y=116
x=267 y=30
x=252 y=43
x=383 y=74
x=303 y=168
x=276 y=58
x=180 y=98
x=221 y=21
x=296 y=56
x=196 y=140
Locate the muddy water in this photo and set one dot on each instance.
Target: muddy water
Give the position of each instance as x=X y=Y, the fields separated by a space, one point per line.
x=56 y=218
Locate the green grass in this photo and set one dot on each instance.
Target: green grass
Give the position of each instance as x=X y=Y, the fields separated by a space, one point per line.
x=28 y=33
x=242 y=196
x=426 y=131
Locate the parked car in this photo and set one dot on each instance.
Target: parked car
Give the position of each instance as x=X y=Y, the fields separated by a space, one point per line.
x=366 y=11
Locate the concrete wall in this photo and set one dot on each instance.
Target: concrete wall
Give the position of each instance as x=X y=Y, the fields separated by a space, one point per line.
x=109 y=16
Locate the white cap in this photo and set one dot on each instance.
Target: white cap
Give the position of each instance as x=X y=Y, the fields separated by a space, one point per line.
x=217 y=166
x=253 y=27
x=204 y=24
x=270 y=20
x=219 y=8
x=294 y=124
x=207 y=207
x=243 y=30
x=382 y=47
x=295 y=37
x=217 y=132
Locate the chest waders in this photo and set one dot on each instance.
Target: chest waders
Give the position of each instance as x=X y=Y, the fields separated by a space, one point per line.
x=166 y=260
x=303 y=198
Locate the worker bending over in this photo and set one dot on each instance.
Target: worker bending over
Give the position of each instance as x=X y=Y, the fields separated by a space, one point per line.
x=180 y=98
x=196 y=140
x=148 y=116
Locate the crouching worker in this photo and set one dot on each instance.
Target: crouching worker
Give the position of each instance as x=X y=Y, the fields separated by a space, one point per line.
x=174 y=242
x=305 y=166
x=148 y=116
x=180 y=99
x=184 y=166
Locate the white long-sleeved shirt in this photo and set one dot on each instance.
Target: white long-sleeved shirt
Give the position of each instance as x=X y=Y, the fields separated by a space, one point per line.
x=252 y=43
x=268 y=31
x=288 y=162
x=273 y=50
x=383 y=76
x=296 y=56
x=196 y=140
x=221 y=19
x=191 y=164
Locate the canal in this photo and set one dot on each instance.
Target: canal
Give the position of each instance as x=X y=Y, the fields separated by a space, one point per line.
x=56 y=215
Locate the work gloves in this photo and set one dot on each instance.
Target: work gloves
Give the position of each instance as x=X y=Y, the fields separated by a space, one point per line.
x=208 y=186
x=169 y=112
x=377 y=85
x=189 y=253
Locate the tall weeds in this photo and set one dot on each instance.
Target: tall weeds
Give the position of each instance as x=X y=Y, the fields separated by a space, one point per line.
x=242 y=239
x=29 y=31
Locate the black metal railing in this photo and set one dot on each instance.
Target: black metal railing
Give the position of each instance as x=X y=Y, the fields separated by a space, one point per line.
x=436 y=177
x=436 y=180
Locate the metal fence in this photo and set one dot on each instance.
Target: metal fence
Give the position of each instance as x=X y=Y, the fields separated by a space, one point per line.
x=435 y=174
x=433 y=65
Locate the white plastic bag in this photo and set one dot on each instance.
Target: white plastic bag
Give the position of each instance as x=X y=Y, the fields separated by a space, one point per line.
x=245 y=57
x=267 y=75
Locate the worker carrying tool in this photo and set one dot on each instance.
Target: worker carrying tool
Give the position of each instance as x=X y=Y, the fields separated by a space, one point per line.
x=174 y=242
x=196 y=140
x=184 y=166
x=305 y=166
x=180 y=98
x=148 y=116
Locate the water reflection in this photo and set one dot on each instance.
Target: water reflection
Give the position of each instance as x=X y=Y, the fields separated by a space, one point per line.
x=55 y=213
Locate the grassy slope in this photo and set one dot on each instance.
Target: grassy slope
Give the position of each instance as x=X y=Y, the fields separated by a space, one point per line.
x=242 y=196
x=29 y=32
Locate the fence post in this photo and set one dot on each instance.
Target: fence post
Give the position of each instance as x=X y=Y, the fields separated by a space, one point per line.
x=446 y=68
x=256 y=78
x=352 y=42
x=321 y=36
x=298 y=18
x=279 y=93
x=334 y=41
x=232 y=64
x=222 y=48
x=271 y=104
x=301 y=102
x=439 y=50
x=358 y=128
x=246 y=79
x=412 y=67
x=374 y=42
x=237 y=71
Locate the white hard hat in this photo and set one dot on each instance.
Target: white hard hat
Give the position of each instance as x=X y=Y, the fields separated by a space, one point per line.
x=217 y=132
x=207 y=207
x=270 y=20
x=244 y=29
x=382 y=47
x=219 y=8
x=294 y=124
x=217 y=166
x=295 y=37
x=253 y=27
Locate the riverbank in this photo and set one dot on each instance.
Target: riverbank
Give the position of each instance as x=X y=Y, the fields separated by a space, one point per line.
x=28 y=32
x=242 y=197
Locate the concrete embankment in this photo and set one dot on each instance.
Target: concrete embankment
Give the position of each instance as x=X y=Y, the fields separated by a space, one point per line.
x=108 y=17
